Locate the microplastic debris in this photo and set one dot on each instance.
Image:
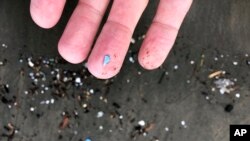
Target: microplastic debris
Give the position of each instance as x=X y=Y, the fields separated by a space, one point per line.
x=183 y=123
x=131 y=59
x=47 y=101
x=142 y=123
x=100 y=127
x=100 y=114
x=121 y=117
x=132 y=40
x=52 y=101
x=4 y=46
x=224 y=85
x=78 y=80
x=176 y=67
x=166 y=129
x=235 y=63
x=91 y=91
x=237 y=95
x=214 y=74
x=31 y=64
x=106 y=60
x=1 y=63
x=191 y=62
x=32 y=109
x=139 y=73
x=88 y=139
x=26 y=92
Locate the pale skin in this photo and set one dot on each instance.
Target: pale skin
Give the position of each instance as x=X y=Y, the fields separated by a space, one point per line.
x=114 y=39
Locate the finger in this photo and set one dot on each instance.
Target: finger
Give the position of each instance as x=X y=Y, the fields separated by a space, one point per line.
x=80 y=32
x=109 y=52
x=162 y=33
x=46 y=13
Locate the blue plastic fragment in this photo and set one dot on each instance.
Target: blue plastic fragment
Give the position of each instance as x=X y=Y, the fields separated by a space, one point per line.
x=88 y=139
x=106 y=59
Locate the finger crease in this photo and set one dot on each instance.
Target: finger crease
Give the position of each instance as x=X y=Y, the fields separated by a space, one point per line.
x=121 y=25
x=95 y=10
x=166 y=26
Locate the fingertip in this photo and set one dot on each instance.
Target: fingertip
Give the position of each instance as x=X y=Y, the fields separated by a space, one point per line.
x=70 y=53
x=46 y=13
x=147 y=63
x=100 y=73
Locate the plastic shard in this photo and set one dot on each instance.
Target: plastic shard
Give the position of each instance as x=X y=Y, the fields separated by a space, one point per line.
x=106 y=60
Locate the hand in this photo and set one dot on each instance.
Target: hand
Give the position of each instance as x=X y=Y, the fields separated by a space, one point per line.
x=107 y=56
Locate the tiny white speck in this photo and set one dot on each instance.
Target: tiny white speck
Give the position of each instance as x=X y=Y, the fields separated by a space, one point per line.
x=26 y=92
x=91 y=91
x=4 y=46
x=128 y=80
x=183 y=122
x=191 y=62
x=101 y=127
x=139 y=73
x=237 y=95
x=46 y=88
x=216 y=59
x=121 y=117
x=32 y=109
x=100 y=114
x=78 y=80
x=176 y=67
x=132 y=40
x=142 y=123
x=166 y=129
x=166 y=73
x=47 y=102
x=31 y=64
x=235 y=63
x=131 y=59
x=52 y=101
x=16 y=131
x=84 y=105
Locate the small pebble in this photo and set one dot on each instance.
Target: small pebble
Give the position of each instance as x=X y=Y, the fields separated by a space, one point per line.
x=229 y=108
